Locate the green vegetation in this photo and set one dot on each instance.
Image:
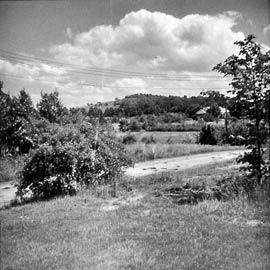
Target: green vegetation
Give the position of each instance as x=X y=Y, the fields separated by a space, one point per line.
x=143 y=146
x=250 y=81
x=62 y=150
x=147 y=104
x=169 y=137
x=139 y=230
x=141 y=152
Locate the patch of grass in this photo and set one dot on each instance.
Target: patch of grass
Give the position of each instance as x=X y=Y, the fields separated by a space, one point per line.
x=142 y=152
x=172 y=137
x=150 y=233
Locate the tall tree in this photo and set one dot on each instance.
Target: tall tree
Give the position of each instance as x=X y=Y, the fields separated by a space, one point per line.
x=250 y=72
x=50 y=107
x=25 y=103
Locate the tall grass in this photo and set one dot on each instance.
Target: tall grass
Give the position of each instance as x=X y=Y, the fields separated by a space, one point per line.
x=166 y=136
x=142 y=152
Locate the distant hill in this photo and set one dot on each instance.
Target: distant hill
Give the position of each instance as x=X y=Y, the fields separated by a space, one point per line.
x=139 y=104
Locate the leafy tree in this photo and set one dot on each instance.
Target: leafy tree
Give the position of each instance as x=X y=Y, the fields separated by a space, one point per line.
x=207 y=135
x=214 y=110
x=214 y=98
x=26 y=104
x=15 y=123
x=250 y=79
x=123 y=125
x=236 y=107
x=50 y=107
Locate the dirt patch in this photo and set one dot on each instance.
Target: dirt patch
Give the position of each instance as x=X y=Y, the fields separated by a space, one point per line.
x=115 y=204
x=7 y=193
x=248 y=222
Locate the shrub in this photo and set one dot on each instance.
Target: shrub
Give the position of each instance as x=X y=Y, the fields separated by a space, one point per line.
x=237 y=133
x=208 y=135
x=129 y=139
x=134 y=126
x=123 y=125
x=148 y=140
x=71 y=157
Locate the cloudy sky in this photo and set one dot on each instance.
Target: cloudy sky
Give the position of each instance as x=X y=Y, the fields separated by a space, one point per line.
x=102 y=49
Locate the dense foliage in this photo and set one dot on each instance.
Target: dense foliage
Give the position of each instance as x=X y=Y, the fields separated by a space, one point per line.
x=235 y=133
x=63 y=148
x=70 y=158
x=15 y=123
x=147 y=104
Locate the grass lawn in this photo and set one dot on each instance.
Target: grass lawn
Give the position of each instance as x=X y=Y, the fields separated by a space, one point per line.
x=138 y=230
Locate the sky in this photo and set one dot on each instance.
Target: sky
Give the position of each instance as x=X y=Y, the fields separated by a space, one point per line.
x=99 y=50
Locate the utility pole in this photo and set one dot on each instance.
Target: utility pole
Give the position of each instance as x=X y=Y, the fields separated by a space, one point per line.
x=226 y=120
x=268 y=118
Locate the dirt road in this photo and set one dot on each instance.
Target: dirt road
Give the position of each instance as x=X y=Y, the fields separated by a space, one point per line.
x=7 y=193
x=7 y=190
x=181 y=163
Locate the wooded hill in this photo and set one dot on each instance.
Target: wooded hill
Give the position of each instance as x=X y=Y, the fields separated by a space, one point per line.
x=139 y=104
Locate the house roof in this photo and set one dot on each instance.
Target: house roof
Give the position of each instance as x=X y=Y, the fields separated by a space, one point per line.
x=201 y=112
x=204 y=110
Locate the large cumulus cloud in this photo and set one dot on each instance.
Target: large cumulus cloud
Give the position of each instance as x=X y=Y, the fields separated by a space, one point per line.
x=155 y=40
x=142 y=41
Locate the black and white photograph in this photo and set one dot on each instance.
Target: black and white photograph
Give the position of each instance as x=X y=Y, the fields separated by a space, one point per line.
x=135 y=135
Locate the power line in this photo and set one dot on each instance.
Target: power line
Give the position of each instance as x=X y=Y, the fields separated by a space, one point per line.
x=123 y=87
x=94 y=69
x=108 y=72
x=95 y=73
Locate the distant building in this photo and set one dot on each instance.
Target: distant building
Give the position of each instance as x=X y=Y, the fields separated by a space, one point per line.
x=202 y=112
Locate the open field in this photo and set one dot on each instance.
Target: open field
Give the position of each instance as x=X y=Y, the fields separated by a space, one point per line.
x=143 y=152
x=169 y=136
x=138 y=230
x=163 y=137
x=168 y=144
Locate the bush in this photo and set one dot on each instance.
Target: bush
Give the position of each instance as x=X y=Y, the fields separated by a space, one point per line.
x=224 y=189
x=230 y=187
x=237 y=133
x=208 y=135
x=213 y=134
x=148 y=140
x=129 y=139
x=134 y=126
x=69 y=158
x=123 y=125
